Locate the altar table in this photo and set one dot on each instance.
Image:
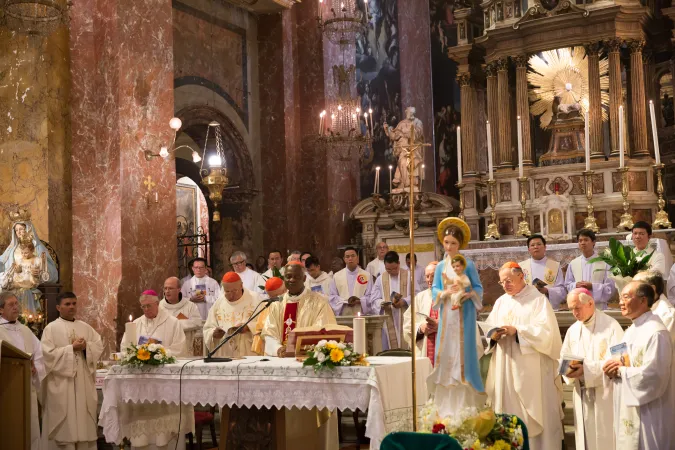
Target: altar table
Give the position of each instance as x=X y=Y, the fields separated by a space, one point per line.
x=383 y=388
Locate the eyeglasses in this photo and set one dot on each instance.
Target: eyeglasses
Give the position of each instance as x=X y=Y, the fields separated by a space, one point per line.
x=238 y=263
x=144 y=307
x=506 y=281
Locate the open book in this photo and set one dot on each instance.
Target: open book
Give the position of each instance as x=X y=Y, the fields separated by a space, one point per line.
x=487 y=328
x=565 y=362
x=619 y=353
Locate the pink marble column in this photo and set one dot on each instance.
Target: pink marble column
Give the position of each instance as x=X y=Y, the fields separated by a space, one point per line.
x=416 y=89
x=122 y=99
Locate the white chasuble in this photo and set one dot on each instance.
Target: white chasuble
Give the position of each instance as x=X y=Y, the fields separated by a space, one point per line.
x=423 y=302
x=165 y=328
x=226 y=315
x=207 y=286
x=644 y=401
x=68 y=391
x=666 y=312
x=593 y=400
x=523 y=369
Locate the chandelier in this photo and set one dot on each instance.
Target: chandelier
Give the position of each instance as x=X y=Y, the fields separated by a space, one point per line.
x=345 y=22
x=215 y=177
x=36 y=17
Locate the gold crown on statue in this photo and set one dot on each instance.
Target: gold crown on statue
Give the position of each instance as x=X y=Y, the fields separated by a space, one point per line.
x=21 y=215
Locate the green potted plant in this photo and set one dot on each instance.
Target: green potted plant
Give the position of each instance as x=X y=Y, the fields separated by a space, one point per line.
x=624 y=262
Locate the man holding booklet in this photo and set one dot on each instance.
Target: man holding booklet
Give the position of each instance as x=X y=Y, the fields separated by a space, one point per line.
x=585 y=348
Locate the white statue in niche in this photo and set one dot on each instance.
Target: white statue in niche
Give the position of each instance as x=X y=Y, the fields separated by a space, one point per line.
x=400 y=136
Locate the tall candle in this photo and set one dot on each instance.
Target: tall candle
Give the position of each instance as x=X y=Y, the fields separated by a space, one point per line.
x=359 y=327
x=655 y=134
x=489 y=148
x=377 y=180
x=459 y=154
x=370 y=116
x=520 y=148
x=587 y=143
x=365 y=116
x=621 y=162
x=130 y=333
x=390 y=167
x=423 y=167
x=320 y=124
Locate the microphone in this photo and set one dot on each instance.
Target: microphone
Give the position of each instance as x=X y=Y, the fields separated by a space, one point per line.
x=273 y=300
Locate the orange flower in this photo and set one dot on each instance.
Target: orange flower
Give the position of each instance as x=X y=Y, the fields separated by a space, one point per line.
x=336 y=355
x=143 y=354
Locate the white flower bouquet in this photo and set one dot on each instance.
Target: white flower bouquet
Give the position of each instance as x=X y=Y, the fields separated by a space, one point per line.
x=147 y=355
x=331 y=354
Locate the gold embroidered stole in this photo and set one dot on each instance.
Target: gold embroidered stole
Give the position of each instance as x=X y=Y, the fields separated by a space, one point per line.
x=389 y=311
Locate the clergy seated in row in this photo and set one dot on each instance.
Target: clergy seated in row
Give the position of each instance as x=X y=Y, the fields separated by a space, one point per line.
x=425 y=321
x=592 y=276
x=274 y=287
x=234 y=307
x=317 y=280
x=201 y=288
x=179 y=307
x=523 y=375
x=70 y=348
x=640 y=235
x=252 y=280
x=590 y=338
x=376 y=267
x=644 y=398
x=543 y=272
x=420 y=279
x=351 y=287
x=21 y=337
x=274 y=260
x=159 y=326
x=391 y=297
x=662 y=308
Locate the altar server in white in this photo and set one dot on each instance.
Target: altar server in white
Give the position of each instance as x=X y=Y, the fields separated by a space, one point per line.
x=644 y=401
x=391 y=297
x=20 y=336
x=426 y=318
x=233 y=309
x=181 y=308
x=201 y=288
x=252 y=280
x=591 y=337
x=523 y=370
x=376 y=267
x=591 y=276
x=546 y=271
x=351 y=287
x=661 y=307
x=641 y=235
x=71 y=349
x=317 y=280
x=158 y=325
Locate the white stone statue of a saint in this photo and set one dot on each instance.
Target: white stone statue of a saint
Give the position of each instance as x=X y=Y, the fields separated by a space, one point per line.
x=400 y=136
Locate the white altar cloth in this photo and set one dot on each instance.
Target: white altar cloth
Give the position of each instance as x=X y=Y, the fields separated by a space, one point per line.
x=384 y=388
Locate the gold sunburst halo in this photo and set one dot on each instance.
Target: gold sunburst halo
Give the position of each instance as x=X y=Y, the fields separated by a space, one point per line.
x=563 y=72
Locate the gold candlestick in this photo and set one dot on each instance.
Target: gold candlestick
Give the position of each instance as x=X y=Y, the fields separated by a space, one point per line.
x=523 y=226
x=461 y=200
x=493 y=229
x=590 y=222
x=626 y=223
x=661 y=220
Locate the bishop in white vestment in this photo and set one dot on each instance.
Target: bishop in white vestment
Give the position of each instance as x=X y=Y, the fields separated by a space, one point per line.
x=351 y=287
x=522 y=378
x=20 y=336
x=644 y=398
x=591 y=276
x=71 y=349
x=591 y=337
x=425 y=329
x=548 y=271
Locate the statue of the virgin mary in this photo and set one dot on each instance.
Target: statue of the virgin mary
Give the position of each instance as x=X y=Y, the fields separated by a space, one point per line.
x=26 y=263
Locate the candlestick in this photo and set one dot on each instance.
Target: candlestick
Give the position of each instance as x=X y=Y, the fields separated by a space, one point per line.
x=661 y=220
x=520 y=148
x=459 y=186
x=621 y=142
x=523 y=226
x=493 y=229
x=130 y=334
x=459 y=155
x=489 y=146
x=587 y=143
x=590 y=222
x=390 y=167
x=359 y=327
x=655 y=134
x=626 y=223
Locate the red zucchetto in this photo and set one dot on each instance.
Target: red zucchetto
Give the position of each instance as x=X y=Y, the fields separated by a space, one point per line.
x=273 y=284
x=511 y=265
x=231 y=277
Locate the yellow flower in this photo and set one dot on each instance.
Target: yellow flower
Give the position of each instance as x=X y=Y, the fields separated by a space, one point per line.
x=331 y=345
x=336 y=355
x=143 y=354
x=514 y=419
x=162 y=350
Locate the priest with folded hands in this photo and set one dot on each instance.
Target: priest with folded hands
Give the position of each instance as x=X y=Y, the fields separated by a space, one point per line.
x=233 y=308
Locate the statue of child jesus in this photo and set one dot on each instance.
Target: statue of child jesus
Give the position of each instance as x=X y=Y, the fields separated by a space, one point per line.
x=461 y=281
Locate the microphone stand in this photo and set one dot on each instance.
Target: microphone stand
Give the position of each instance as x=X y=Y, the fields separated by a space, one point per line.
x=211 y=359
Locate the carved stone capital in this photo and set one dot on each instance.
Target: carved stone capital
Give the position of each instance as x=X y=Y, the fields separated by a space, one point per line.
x=614 y=45
x=490 y=69
x=502 y=64
x=464 y=79
x=520 y=60
x=593 y=48
x=636 y=45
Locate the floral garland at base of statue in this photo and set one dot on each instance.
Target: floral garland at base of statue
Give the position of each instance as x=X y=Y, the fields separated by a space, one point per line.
x=475 y=429
x=147 y=355
x=332 y=354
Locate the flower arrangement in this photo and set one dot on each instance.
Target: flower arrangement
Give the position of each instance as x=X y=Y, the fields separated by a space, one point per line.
x=331 y=354
x=624 y=262
x=147 y=354
x=475 y=429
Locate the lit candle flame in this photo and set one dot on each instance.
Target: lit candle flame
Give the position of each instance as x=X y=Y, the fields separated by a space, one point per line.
x=359 y=313
x=131 y=318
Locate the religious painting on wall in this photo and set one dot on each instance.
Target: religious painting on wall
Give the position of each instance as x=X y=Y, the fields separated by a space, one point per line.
x=378 y=84
x=186 y=208
x=445 y=94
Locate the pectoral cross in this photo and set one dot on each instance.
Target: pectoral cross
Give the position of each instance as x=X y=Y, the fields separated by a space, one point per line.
x=289 y=322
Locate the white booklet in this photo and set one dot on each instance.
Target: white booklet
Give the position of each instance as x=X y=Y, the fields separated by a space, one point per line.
x=565 y=362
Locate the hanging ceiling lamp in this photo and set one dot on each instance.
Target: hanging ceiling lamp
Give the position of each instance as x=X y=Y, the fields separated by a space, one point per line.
x=214 y=178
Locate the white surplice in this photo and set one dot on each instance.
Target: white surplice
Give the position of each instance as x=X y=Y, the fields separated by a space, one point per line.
x=644 y=399
x=593 y=401
x=22 y=338
x=523 y=369
x=252 y=280
x=225 y=315
x=423 y=304
x=320 y=284
x=164 y=327
x=68 y=391
x=375 y=267
x=550 y=272
x=666 y=312
x=212 y=288
x=580 y=269
x=190 y=319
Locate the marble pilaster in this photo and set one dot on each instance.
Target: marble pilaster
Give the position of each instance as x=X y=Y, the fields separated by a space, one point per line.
x=503 y=100
x=523 y=107
x=468 y=112
x=594 y=100
x=638 y=103
x=493 y=110
x=615 y=93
